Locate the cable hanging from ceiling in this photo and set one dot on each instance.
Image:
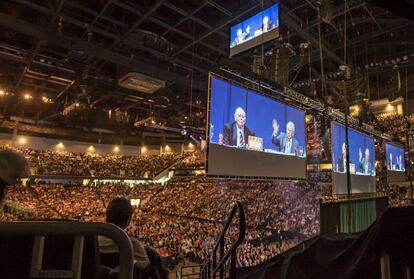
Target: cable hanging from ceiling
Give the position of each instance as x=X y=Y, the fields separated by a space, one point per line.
x=323 y=85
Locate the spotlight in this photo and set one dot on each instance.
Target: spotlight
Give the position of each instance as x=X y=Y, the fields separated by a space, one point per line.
x=22 y=140
x=116 y=149
x=2 y=93
x=27 y=96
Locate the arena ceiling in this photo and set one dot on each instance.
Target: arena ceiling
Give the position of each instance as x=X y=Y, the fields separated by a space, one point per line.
x=61 y=61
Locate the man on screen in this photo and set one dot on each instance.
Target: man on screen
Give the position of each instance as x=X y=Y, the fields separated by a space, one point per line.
x=399 y=163
x=237 y=133
x=239 y=37
x=390 y=164
x=247 y=34
x=341 y=167
x=285 y=142
x=364 y=163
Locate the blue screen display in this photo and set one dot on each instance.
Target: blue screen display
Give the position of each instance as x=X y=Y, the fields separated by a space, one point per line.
x=255 y=26
x=236 y=113
x=361 y=151
x=395 y=158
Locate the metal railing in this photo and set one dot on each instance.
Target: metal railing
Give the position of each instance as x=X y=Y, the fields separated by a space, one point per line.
x=214 y=265
x=41 y=229
x=189 y=272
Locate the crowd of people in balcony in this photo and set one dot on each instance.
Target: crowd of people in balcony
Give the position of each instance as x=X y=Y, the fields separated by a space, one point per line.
x=54 y=162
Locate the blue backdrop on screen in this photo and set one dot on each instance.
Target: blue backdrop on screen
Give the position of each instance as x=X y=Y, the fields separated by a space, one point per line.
x=260 y=111
x=361 y=151
x=252 y=27
x=395 y=157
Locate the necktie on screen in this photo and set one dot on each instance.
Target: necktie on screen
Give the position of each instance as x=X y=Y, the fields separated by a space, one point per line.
x=287 y=149
x=241 y=139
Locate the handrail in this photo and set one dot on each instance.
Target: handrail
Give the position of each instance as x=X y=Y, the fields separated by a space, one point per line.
x=77 y=228
x=211 y=267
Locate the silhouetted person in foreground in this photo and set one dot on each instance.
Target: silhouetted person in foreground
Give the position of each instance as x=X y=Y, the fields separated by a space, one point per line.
x=12 y=167
x=119 y=213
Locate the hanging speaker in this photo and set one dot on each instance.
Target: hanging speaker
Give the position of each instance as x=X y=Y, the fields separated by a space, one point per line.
x=279 y=65
x=326 y=11
x=398 y=80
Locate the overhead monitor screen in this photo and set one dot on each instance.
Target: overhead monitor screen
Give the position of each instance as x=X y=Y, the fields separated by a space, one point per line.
x=395 y=162
x=253 y=135
x=361 y=160
x=254 y=31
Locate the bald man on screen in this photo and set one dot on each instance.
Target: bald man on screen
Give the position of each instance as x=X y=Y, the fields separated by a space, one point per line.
x=236 y=133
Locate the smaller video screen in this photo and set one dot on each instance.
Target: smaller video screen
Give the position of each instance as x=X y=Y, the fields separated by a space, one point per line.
x=254 y=31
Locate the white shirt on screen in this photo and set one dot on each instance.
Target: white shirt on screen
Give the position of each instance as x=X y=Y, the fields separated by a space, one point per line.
x=288 y=146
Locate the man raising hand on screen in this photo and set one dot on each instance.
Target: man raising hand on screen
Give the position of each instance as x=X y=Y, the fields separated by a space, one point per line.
x=364 y=163
x=285 y=142
x=237 y=133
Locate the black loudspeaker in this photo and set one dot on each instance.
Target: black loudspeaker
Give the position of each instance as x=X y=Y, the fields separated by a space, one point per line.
x=279 y=65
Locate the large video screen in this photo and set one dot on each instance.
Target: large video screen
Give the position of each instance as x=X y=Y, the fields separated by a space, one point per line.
x=253 y=135
x=255 y=30
x=361 y=160
x=395 y=162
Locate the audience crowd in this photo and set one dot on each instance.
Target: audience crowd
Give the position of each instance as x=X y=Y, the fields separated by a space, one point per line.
x=195 y=160
x=184 y=217
x=51 y=162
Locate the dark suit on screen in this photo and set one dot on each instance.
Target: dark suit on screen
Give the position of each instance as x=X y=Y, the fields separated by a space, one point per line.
x=230 y=134
x=363 y=163
x=267 y=26
x=281 y=143
x=390 y=165
x=341 y=163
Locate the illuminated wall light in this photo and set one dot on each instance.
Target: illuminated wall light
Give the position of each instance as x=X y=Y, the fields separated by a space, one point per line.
x=143 y=149
x=116 y=149
x=27 y=96
x=60 y=145
x=91 y=148
x=22 y=140
x=46 y=100
x=2 y=93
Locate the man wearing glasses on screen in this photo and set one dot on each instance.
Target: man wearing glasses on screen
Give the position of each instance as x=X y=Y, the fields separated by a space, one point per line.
x=285 y=142
x=236 y=133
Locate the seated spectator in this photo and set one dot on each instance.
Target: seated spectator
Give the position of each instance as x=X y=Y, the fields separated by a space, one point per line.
x=119 y=213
